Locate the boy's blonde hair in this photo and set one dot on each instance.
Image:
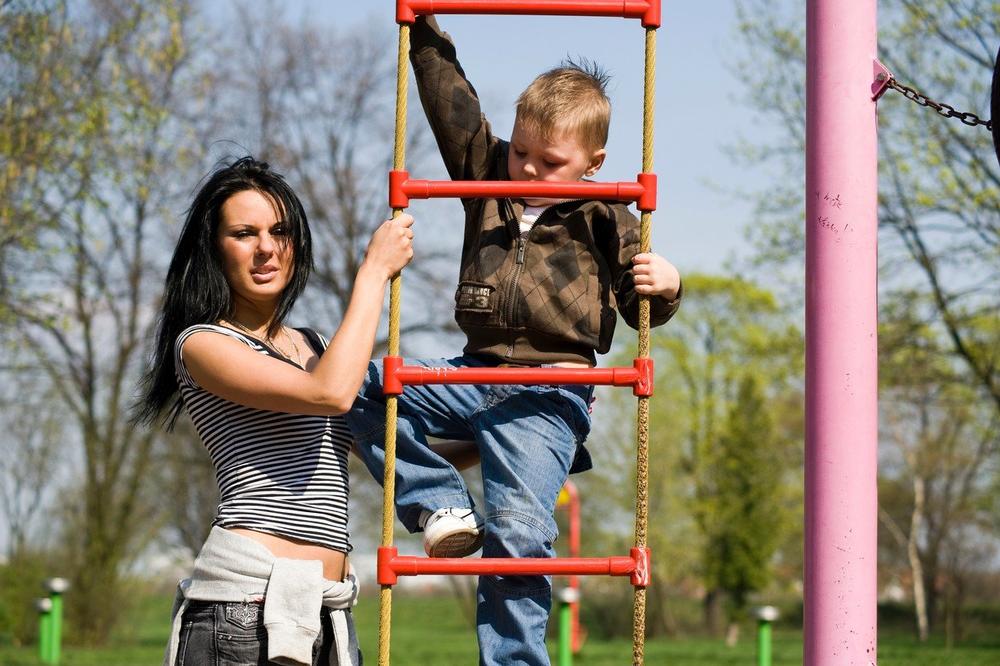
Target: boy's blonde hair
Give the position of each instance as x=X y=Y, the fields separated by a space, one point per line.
x=571 y=98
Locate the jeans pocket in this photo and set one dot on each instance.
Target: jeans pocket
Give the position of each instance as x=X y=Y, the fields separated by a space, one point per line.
x=240 y=637
x=196 y=643
x=241 y=650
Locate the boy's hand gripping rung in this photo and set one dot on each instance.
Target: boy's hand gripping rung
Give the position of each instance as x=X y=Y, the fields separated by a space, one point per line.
x=648 y=11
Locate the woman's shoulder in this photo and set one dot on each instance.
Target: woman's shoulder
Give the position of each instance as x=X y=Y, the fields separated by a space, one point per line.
x=214 y=328
x=184 y=335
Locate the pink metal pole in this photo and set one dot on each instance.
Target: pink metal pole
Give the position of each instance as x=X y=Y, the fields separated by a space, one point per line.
x=841 y=354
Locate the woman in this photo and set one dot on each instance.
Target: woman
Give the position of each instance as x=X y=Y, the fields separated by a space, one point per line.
x=266 y=400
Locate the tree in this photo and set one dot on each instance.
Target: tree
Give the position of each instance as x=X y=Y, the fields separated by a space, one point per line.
x=28 y=463
x=939 y=205
x=78 y=298
x=319 y=100
x=939 y=235
x=42 y=112
x=744 y=498
x=940 y=439
x=134 y=98
x=943 y=196
x=727 y=329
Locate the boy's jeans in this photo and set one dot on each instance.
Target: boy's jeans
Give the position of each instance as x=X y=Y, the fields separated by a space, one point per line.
x=527 y=438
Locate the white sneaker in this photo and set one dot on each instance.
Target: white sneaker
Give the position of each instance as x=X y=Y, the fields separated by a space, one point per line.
x=451 y=532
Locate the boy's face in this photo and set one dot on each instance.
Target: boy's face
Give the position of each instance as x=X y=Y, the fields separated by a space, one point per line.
x=561 y=157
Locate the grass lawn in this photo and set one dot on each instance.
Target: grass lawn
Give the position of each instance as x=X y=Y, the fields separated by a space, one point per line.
x=431 y=631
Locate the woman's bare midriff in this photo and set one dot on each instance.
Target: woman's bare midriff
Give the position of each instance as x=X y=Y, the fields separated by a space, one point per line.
x=334 y=561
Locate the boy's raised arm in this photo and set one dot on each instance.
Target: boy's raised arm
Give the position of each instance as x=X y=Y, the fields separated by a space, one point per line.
x=463 y=135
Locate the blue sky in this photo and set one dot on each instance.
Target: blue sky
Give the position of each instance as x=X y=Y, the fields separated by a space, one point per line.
x=698 y=115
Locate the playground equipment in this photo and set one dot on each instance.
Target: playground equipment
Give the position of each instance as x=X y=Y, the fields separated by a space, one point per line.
x=570 y=633
x=995 y=105
x=50 y=621
x=841 y=316
x=843 y=83
x=885 y=80
x=44 y=608
x=569 y=600
x=765 y=615
x=639 y=377
x=841 y=345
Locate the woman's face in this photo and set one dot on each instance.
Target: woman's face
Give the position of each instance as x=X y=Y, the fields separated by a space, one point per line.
x=256 y=248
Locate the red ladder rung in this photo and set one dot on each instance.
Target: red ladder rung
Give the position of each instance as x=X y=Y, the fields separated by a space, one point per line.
x=636 y=566
x=646 y=10
x=397 y=375
x=402 y=188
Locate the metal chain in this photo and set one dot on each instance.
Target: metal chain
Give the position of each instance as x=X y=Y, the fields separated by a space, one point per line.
x=941 y=108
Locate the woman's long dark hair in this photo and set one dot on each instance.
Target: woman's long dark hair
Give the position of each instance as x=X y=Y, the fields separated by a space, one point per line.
x=196 y=290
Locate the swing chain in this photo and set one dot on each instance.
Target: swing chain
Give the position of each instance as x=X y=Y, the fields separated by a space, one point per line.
x=941 y=108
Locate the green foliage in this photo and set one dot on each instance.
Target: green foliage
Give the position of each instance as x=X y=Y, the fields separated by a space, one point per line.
x=939 y=256
x=743 y=498
x=726 y=330
x=938 y=460
x=21 y=583
x=729 y=330
x=36 y=114
x=939 y=201
x=109 y=110
x=88 y=95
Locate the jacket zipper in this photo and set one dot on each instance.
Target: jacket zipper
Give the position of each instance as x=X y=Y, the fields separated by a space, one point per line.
x=522 y=243
x=512 y=291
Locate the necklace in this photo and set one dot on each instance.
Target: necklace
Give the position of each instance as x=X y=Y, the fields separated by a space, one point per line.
x=272 y=342
x=295 y=347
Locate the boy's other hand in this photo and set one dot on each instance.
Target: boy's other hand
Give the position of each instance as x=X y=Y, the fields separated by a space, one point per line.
x=655 y=276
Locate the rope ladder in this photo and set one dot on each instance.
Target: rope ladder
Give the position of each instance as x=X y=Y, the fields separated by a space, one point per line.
x=635 y=565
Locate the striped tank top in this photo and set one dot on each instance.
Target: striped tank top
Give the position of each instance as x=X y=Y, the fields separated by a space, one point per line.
x=280 y=473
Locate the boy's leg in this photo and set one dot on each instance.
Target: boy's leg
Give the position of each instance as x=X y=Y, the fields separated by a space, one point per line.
x=527 y=439
x=424 y=480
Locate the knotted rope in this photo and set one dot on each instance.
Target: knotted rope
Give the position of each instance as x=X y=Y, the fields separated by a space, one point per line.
x=642 y=430
x=391 y=403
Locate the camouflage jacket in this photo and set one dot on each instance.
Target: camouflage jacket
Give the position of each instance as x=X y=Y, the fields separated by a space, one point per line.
x=545 y=296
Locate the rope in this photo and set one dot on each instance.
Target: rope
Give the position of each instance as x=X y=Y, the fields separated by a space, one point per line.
x=402 y=83
x=642 y=430
x=391 y=404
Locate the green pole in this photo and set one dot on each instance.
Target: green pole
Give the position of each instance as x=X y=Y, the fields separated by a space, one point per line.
x=56 y=588
x=763 y=643
x=565 y=634
x=765 y=616
x=44 y=607
x=56 y=642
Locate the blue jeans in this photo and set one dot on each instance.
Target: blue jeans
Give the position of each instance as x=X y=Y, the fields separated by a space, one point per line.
x=528 y=437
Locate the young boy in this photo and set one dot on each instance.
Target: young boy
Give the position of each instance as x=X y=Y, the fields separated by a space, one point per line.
x=535 y=289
